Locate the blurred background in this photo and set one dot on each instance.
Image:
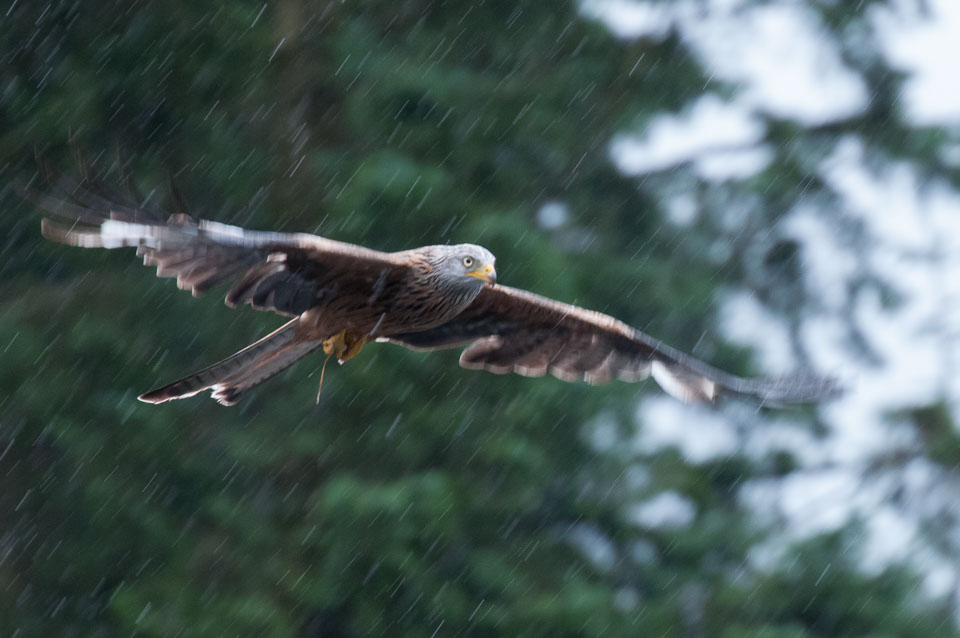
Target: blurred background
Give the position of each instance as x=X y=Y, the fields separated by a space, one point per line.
x=770 y=185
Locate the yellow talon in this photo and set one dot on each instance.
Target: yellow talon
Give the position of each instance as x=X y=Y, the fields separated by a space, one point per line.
x=344 y=345
x=354 y=346
x=335 y=344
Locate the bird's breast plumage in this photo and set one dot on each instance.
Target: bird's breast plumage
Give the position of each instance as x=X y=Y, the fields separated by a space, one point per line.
x=415 y=297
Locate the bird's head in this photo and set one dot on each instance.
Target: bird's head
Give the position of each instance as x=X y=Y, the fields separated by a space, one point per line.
x=469 y=260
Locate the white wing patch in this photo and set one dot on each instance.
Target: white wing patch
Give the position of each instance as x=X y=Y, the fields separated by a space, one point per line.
x=687 y=387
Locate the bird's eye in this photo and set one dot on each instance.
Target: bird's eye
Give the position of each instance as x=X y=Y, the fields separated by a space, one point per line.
x=467 y=261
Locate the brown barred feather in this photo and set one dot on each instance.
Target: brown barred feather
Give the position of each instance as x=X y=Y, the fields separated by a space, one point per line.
x=348 y=295
x=514 y=330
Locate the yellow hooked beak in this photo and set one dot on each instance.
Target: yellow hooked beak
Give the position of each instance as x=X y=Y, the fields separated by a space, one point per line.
x=485 y=273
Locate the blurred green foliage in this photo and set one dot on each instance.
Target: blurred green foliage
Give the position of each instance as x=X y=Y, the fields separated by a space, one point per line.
x=416 y=498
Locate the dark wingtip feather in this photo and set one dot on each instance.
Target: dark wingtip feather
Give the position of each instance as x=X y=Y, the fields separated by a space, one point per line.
x=179 y=201
x=126 y=176
x=45 y=171
x=798 y=388
x=52 y=231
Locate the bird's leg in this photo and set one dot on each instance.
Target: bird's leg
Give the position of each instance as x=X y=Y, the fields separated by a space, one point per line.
x=355 y=344
x=345 y=345
x=337 y=344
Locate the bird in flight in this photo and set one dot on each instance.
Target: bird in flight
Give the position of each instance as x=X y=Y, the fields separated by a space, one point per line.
x=341 y=296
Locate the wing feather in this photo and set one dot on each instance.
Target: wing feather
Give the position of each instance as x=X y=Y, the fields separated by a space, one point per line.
x=286 y=273
x=513 y=330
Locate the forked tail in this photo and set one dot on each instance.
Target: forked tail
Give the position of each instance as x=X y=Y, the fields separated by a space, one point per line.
x=230 y=378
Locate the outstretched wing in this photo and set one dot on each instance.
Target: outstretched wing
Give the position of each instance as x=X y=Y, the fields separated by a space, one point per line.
x=287 y=273
x=517 y=331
